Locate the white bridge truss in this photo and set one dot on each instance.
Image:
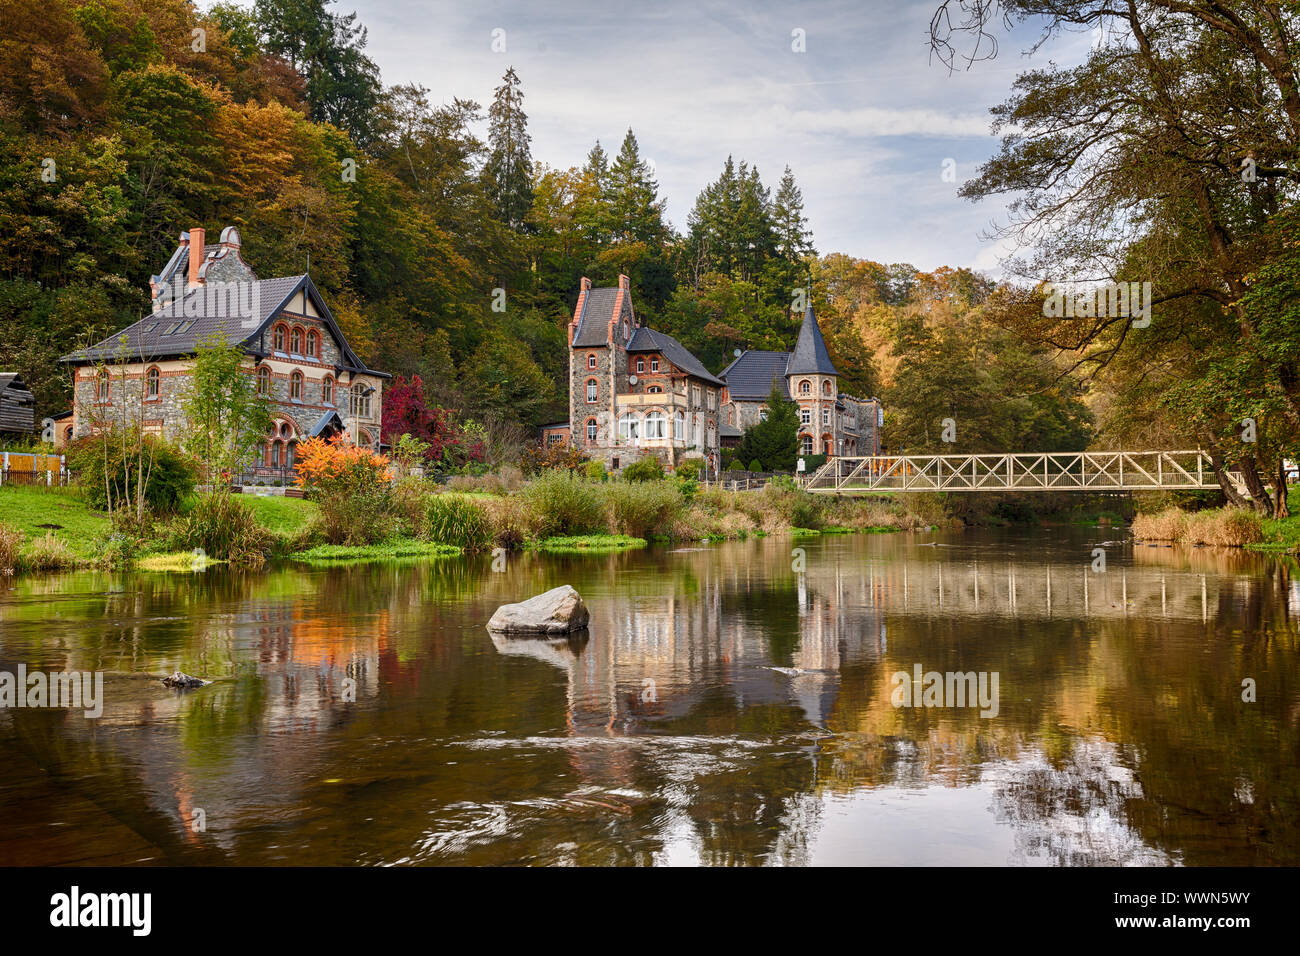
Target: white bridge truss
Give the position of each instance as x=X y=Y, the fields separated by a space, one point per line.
x=1032 y=471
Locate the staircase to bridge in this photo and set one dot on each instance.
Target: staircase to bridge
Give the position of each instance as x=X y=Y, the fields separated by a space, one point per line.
x=1087 y=471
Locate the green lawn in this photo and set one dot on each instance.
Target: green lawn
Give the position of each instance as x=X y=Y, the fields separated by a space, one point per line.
x=36 y=511
x=385 y=551
x=281 y=515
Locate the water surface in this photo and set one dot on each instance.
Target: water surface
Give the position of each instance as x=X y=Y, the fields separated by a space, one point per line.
x=724 y=708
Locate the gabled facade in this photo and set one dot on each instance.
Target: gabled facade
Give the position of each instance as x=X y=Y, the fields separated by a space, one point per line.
x=294 y=350
x=830 y=423
x=633 y=390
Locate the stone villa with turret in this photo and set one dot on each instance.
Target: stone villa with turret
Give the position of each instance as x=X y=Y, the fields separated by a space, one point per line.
x=635 y=391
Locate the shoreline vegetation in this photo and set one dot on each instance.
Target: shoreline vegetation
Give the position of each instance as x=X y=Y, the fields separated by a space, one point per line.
x=556 y=513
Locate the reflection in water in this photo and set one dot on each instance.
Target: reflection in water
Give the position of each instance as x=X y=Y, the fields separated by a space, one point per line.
x=721 y=708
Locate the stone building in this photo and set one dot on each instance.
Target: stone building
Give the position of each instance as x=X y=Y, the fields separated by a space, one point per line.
x=830 y=422
x=635 y=391
x=294 y=350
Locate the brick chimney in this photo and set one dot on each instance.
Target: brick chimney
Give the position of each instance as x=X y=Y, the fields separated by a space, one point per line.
x=585 y=285
x=196 y=257
x=624 y=283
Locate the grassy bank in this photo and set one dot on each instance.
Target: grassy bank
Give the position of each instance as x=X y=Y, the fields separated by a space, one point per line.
x=556 y=513
x=1223 y=527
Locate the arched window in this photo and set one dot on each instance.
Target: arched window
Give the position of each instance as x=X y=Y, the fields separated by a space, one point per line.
x=327 y=390
x=364 y=439
x=153 y=382
x=275 y=454
x=711 y=439
x=656 y=426
x=277 y=338
x=826 y=387
x=731 y=416
x=591 y=429
x=679 y=426
x=762 y=415
x=103 y=387
x=804 y=387
x=806 y=444
x=593 y=391
x=295 y=341
x=826 y=444
x=655 y=390
x=263 y=380
x=629 y=427
x=295 y=386
x=591 y=360
x=285 y=430
x=313 y=344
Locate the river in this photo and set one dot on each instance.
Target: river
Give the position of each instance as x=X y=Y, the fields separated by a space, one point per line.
x=730 y=704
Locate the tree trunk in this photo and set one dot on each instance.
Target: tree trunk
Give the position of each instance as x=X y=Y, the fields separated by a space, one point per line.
x=1259 y=496
x=1281 y=508
x=1230 y=491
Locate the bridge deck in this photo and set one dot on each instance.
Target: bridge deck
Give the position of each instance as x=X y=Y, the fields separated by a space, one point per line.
x=1031 y=471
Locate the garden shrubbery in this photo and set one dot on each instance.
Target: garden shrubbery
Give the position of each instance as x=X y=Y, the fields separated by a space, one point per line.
x=353 y=488
x=109 y=466
x=225 y=529
x=455 y=519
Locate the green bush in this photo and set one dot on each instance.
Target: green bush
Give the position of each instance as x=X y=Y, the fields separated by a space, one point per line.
x=105 y=468
x=225 y=529
x=565 y=504
x=596 y=471
x=456 y=519
x=755 y=465
x=648 y=468
x=690 y=468
x=636 y=508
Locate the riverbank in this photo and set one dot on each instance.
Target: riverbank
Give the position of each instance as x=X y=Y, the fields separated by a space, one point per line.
x=1223 y=528
x=44 y=529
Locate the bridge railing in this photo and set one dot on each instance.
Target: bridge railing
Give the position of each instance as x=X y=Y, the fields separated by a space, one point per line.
x=1018 y=471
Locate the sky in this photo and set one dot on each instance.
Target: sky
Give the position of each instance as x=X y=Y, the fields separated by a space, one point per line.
x=862 y=116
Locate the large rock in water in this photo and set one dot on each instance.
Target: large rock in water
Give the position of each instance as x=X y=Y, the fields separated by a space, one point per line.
x=558 y=611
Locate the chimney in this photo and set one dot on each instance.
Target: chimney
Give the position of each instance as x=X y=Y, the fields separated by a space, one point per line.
x=586 y=284
x=624 y=283
x=196 y=257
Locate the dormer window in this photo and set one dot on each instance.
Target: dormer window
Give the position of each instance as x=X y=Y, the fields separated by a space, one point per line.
x=277 y=338
x=295 y=342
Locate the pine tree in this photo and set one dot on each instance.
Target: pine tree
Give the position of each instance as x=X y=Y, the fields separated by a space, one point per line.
x=775 y=440
x=509 y=169
x=793 y=237
x=589 y=197
x=632 y=203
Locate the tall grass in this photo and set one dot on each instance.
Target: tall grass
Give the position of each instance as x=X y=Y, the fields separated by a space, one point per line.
x=226 y=529
x=47 y=554
x=565 y=504
x=1217 y=527
x=11 y=544
x=639 y=507
x=455 y=519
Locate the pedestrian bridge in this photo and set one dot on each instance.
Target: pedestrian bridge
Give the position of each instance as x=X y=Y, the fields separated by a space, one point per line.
x=1089 y=471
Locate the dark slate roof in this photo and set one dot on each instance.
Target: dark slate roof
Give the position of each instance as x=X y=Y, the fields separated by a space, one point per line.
x=10 y=380
x=728 y=431
x=749 y=378
x=593 y=323
x=648 y=340
x=810 y=355
x=325 y=421
x=147 y=339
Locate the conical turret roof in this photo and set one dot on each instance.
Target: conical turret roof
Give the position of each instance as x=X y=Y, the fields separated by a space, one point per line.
x=810 y=355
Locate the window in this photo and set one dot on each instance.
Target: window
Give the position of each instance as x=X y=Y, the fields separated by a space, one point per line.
x=654 y=364
x=826 y=416
x=275 y=454
x=826 y=387
x=593 y=391
x=655 y=390
x=807 y=444
x=153 y=379
x=805 y=416
x=805 y=388
x=713 y=435
x=695 y=394
x=285 y=430
x=591 y=429
x=327 y=390
x=591 y=360
x=629 y=427
x=627 y=331
x=263 y=381
x=295 y=387
x=762 y=415
x=313 y=344
x=656 y=426
x=364 y=439
x=826 y=444
x=360 y=401
x=171 y=329
x=640 y=366
x=295 y=341
x=277 y=338
x=713 y=398
x=731 y=416
x=103 y=388
x=679 y=426
x=288 y=453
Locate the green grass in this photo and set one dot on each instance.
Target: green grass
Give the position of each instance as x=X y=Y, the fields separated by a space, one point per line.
x=284 y=516
x=28 y=508
x=384 y=551
x=586 y=543
x=1282 y=534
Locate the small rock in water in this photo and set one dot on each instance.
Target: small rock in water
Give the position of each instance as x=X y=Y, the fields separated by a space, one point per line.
x=183 y=680
x=557 y=611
